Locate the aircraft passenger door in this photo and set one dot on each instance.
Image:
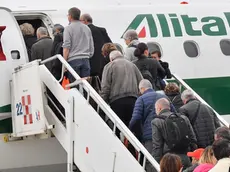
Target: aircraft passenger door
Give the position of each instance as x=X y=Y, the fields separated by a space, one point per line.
x=12 y=54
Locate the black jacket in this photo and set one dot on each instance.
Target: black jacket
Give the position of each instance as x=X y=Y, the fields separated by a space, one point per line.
x=57 y=49
x=159 y=135
x=152 y=65
x=100 y=37
x=29 y=41
x=205 y=124
x=176 y=100
x=42 y=50
x=165 y=65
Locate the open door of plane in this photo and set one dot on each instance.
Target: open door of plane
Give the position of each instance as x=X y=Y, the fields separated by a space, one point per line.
x=12 y=54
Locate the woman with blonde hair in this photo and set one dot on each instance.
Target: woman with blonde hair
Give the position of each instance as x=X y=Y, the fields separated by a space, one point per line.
x=29 y=37
x=207 y=160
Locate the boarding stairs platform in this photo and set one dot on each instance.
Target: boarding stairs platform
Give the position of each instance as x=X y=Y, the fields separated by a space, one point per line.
x=90 y=143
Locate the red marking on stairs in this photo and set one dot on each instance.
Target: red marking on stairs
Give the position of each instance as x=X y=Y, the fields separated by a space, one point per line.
x=87 y=150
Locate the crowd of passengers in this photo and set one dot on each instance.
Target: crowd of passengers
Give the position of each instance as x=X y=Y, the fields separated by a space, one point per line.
x=180 y=132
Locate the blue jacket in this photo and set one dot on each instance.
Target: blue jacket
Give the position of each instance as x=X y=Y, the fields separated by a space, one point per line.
x=144 y=111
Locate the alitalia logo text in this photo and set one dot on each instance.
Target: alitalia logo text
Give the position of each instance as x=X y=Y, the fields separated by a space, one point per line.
x=167 y=25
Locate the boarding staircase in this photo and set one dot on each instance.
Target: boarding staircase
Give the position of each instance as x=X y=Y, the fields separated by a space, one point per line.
x=90 y=143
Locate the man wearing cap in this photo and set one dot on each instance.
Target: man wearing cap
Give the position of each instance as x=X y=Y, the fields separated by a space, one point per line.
x=195 y=155
x=131 y=40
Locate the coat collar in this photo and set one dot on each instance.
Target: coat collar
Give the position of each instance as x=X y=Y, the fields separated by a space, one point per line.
x=190 y=100
x=45 y=37
x=165 y=112
x=149 y=91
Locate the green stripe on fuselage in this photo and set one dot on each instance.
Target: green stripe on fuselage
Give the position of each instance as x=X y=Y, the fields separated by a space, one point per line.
x=6 y=124
x=5 y=109
x=215 y=91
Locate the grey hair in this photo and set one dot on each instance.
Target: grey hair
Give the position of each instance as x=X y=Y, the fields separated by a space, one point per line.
x=87 y=17
x=187 y=95
x=115 y=54
x=223 y=133
x=163 y=102
x=27 y=29
x=145 y=84
x=42 y=31
x=130 y=35
x=58 y=27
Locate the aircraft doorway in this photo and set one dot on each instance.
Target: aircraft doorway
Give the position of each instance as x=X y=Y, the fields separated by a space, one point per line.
x=36 y=20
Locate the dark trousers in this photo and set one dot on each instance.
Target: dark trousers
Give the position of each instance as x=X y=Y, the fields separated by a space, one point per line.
x=124 y=108
x=81 y=67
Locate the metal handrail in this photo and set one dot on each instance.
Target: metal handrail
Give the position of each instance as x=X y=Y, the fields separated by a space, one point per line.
x=108 y=111
x=185 y=85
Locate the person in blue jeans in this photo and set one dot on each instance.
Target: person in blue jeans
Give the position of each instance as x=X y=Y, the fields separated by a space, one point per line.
x=78 y=44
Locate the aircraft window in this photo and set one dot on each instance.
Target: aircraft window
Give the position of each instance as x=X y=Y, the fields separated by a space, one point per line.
x=191 y=49
x=225 y=47
x=119 y=48
x=153 y=46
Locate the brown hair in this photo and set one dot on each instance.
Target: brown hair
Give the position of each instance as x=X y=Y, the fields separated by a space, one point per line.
x=108 y=48
x=172 y=87
x=158 y=53
x=170 y=163
x=75 y=13
x=208 y=156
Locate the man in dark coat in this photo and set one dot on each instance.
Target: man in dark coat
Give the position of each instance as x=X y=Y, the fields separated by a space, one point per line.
x=57 y=49
x=202 y=118
x=100 y=37
x=42 y=48
x=160 y=134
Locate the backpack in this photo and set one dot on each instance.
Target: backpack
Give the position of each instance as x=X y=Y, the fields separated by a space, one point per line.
x=177 y=132
x=146 y=74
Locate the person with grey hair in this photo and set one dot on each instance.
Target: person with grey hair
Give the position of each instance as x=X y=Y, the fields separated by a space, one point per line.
x=131 y=40
x=119 y=86
x=202 y=118
x=144 y=113
x=100 y=37
x=222 y=133
x=187 y=95
x=58 y=28
x=28 y=34
x=42 y=48
x=115 y=54
x=171 y=132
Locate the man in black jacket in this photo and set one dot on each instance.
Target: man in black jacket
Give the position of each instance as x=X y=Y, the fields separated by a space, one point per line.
x=100 y=37
x=202 y=118
x=57 y=49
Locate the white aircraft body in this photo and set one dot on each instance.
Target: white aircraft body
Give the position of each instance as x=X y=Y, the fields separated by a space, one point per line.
x=193 y=39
